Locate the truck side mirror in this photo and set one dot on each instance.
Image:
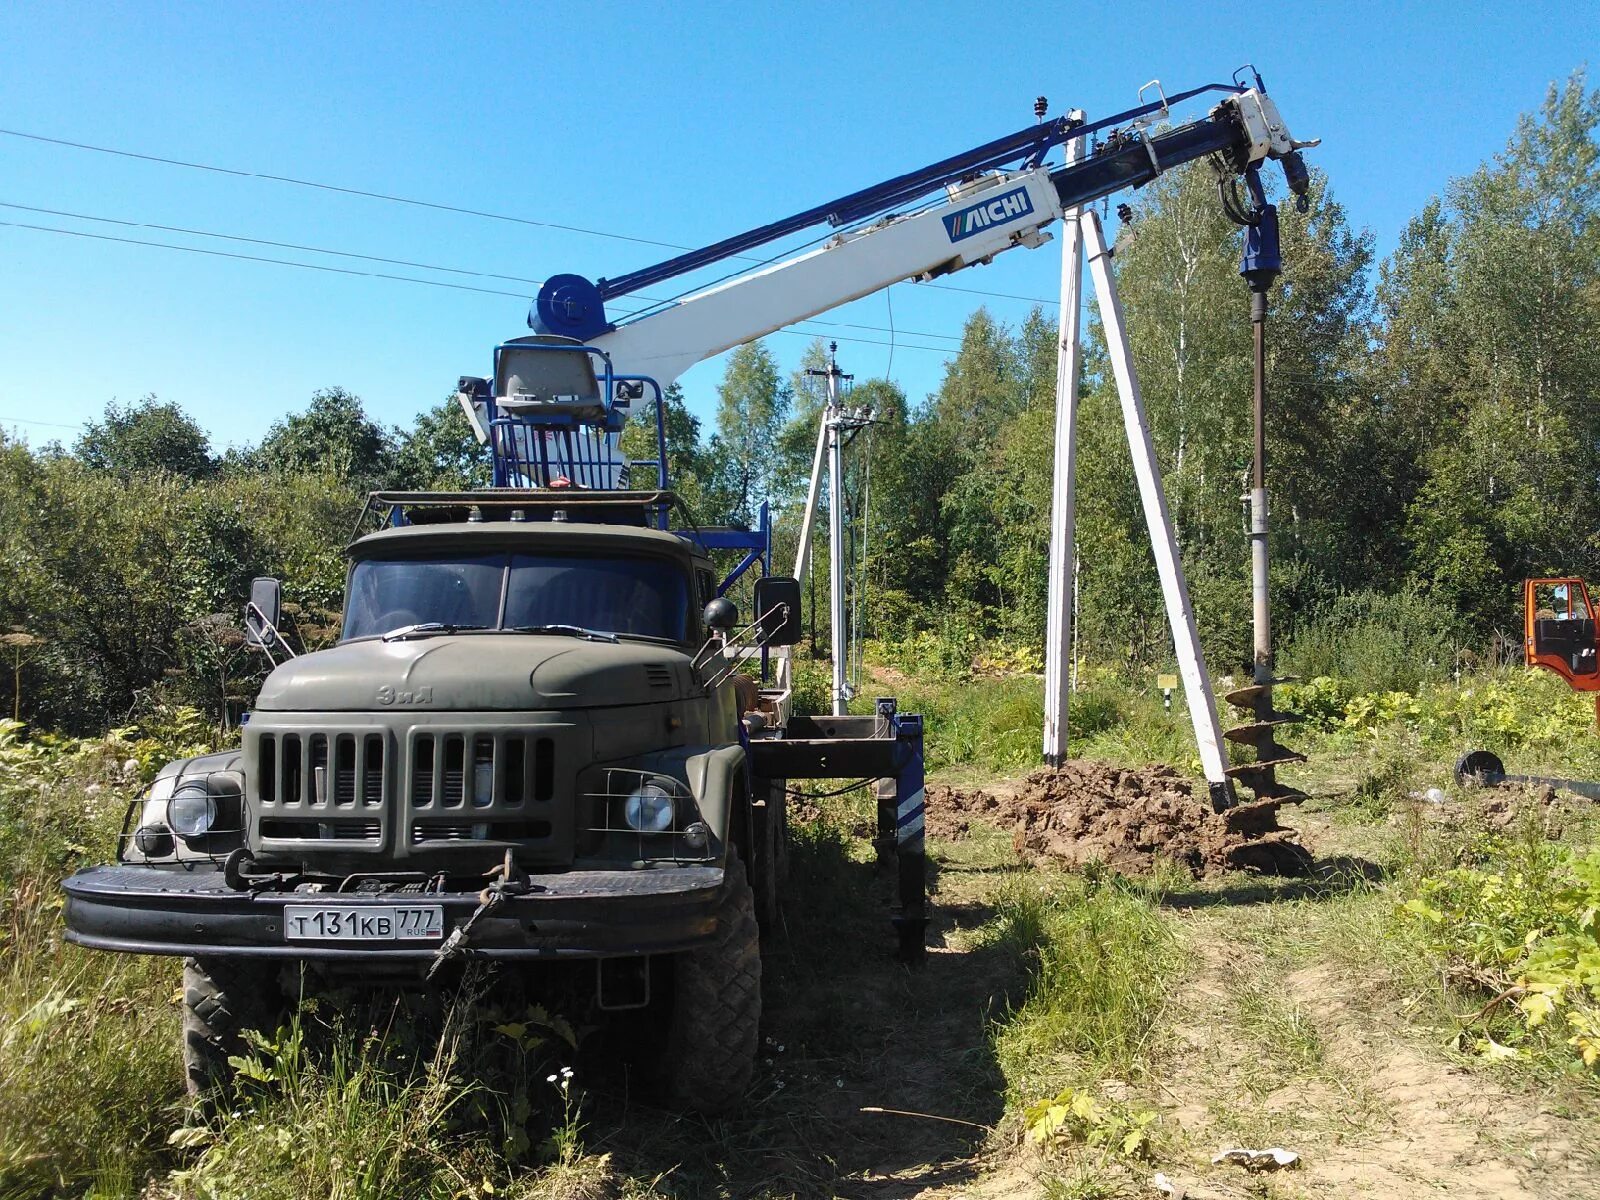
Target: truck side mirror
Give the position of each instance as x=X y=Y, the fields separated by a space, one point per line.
x=778 y=611
x=262 y=614
x=720 y=615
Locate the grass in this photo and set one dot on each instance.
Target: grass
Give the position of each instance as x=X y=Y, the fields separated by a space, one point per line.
x=1286 y=1033
x=346 y=1129
x=992 y=725
x=89 y=1077
x=1094 y=1177
x=1099 y=961
x=417 y=1104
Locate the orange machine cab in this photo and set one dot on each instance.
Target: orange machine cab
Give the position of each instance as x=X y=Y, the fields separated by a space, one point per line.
x=1559 y=632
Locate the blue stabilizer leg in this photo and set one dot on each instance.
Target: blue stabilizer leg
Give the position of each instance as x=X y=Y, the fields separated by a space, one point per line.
x=911 y=917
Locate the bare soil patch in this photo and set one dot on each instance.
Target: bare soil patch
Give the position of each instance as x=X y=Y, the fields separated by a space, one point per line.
x=1375 y=1116
x=1128 y=818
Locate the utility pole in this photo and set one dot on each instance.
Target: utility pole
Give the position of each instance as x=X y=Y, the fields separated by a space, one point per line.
x=1061 y=635
x=802 y=554
x=1077 y=580
x=1260 y=276
x=835 y=422
x=836 y=609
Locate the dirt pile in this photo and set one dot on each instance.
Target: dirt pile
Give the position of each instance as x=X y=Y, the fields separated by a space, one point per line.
x=1128 y=819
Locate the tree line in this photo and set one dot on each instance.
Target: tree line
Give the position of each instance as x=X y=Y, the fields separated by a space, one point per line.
x=1434 y=436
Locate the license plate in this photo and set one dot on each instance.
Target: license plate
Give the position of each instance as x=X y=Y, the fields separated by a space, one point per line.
x=417 y=922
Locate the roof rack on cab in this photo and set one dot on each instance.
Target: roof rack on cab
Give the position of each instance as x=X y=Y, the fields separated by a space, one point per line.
x=646 y=508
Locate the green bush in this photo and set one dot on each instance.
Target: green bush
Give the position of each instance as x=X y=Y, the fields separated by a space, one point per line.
x=1508 y=709
x=988 y=722
x=812 y=686
x=124 y=579
x=1097 y=709
x=1376 y=642
x=1321 y=700
x=925 y=654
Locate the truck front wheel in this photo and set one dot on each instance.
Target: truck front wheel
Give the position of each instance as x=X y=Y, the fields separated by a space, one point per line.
x=222 y=997
x=714 y=1029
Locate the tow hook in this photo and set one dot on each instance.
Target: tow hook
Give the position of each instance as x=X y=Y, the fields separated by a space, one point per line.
x=505 y=881
x=236 y=874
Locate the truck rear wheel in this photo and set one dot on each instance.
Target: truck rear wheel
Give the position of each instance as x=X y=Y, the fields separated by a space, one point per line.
x=222 y=997
x=714 y=1028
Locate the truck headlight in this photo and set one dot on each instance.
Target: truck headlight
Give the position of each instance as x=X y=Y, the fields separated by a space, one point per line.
x=649 y=808
x=191 y=812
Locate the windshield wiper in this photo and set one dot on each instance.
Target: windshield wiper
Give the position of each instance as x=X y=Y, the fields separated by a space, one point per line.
x=578 y=631
x=426 y=629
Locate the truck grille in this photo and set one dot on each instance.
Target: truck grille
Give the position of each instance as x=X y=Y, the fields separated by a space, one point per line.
x=322 y=786
x=411 y=792
x=496 y=786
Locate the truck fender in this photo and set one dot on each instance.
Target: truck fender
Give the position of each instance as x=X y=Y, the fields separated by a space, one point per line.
x=717 y=778
x=204 y=764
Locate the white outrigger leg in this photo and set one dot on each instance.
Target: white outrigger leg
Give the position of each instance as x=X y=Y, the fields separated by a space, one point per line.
x=1058 y=664
x=1174 y=587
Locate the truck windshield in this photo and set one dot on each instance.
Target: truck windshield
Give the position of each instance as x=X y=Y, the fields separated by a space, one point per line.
x=638 y=597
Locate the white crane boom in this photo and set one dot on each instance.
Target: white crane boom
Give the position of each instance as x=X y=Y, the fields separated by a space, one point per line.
x=977 y=219
x=995 y=215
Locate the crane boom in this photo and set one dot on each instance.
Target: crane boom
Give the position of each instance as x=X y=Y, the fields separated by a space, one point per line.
x=555 y=407
x=1006 y=212
x=971 y=223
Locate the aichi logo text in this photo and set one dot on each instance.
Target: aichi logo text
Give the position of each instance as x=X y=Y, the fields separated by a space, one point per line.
x=997 y=211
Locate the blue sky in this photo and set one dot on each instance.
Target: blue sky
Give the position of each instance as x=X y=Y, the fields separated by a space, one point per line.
x=675 y=123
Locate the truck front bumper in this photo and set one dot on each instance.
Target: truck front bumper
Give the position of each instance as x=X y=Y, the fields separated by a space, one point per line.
x=575 y=914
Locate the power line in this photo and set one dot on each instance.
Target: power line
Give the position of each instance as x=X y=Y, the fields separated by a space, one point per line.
x=329 y=187
x=281 y=262
x=839 y=337
x=459 y=287
x=232 y=237
x=30 y=421
x=429 y=204
x=889 y=329
x=950 y=287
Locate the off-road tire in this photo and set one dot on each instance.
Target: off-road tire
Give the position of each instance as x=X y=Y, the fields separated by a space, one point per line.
x=222 y=997
x=714 y=1028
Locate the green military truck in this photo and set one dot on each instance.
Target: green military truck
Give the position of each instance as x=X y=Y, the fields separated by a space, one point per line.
x=533 y=744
